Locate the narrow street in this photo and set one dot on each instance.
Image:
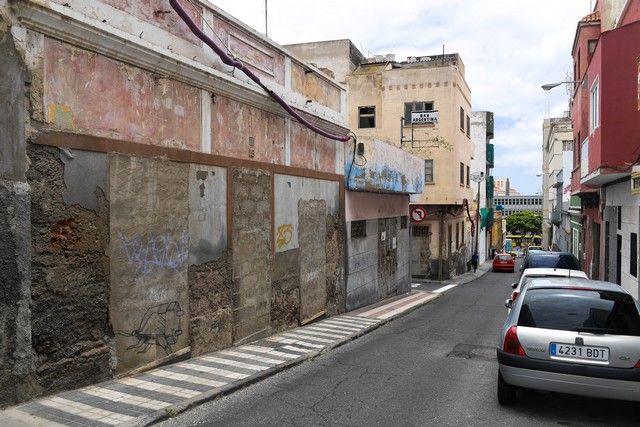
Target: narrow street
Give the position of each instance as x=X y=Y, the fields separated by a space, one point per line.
x=435 y=366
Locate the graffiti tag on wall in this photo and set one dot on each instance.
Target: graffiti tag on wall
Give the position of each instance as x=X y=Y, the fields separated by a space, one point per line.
x=285 y=233
x=146 y=253
x=160 y=326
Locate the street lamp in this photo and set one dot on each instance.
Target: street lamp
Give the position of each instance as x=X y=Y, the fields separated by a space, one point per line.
x=477 y=177
x=550 y=86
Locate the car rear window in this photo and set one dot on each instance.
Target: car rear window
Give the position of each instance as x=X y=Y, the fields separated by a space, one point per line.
x=554 y=261
x=504 y=257
x=580 y=310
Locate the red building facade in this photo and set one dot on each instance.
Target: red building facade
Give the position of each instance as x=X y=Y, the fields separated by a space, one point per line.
x=606 y=126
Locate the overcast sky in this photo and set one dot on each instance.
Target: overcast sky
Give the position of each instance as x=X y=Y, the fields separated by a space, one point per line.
x=509 y=47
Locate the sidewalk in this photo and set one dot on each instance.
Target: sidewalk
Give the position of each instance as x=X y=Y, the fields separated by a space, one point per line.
x=163 y=392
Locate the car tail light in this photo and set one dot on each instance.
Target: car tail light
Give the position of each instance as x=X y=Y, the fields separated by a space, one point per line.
x=514 y=295
x=637 y=365
x=512 y=343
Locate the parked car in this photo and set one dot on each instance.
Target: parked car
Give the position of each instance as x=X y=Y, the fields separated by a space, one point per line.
x=545 y=259
x=571 y=335
x=533 y=273
x=504 y=262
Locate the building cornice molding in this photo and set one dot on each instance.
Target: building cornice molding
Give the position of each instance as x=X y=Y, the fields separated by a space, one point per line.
x=64 y=24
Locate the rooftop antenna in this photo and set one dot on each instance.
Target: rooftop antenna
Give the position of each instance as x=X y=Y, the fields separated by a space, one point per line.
x=266 y=22
x=443 y=54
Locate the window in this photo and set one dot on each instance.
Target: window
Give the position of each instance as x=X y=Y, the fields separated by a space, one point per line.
x=403 y=222
x=367 y=117
x=462 y=119
x=619 y=218
x=594 y=108
x=633 y=259
x=415 y=106
x=580 y=310
x=591 y=46
x=358 y=229
x=467 y=176
x=461 y=173
x=468 y=126
x=567 y=145
x=420 y=231
x=428 y=170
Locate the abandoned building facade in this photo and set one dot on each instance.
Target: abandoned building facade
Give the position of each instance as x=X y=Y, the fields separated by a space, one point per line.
x=155 y=203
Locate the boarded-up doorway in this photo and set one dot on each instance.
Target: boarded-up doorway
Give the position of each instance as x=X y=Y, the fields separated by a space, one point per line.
x=387 y=257
x=311 y=236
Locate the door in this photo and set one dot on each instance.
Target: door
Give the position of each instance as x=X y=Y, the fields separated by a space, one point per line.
x=607 y=249
x=595 y=259
x=618 y=259
x=387 y=257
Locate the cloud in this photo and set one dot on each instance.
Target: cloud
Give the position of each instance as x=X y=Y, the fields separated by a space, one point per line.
x=509 y=48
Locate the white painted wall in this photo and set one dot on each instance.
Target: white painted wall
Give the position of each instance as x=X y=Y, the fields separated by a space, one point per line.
x=620 y=195
x=479 y=164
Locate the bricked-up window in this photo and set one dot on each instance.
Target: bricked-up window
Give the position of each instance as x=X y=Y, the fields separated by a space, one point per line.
x=410 y=107
x=467 y=175
x=461 y=173
x=358 y=229
x=403 y=222
x=633 y=259
x=468 y=126
x=367 y=117
x=428 y=170
x=462 y=119
x=420 y=231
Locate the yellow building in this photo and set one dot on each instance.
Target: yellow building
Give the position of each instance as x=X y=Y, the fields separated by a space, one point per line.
x=423 y=105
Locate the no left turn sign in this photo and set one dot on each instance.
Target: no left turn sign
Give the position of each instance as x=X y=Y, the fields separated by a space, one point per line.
x=418 y=214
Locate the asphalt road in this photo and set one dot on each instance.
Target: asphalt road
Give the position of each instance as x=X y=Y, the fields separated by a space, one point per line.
x=434 y=366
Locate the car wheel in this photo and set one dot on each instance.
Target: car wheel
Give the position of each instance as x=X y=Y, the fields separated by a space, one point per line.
x=506 y=392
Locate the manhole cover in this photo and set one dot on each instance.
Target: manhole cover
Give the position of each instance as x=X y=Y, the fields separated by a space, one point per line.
x=470 y=351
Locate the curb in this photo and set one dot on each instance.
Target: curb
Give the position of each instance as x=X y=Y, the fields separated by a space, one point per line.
x=174 y=410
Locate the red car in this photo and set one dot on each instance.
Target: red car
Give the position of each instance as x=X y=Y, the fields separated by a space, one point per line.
x=504 y=262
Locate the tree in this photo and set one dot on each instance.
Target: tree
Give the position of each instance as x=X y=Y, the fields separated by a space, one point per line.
x=524 y=223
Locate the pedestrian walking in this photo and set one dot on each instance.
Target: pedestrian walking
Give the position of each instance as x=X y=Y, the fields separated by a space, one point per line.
x=474 y=261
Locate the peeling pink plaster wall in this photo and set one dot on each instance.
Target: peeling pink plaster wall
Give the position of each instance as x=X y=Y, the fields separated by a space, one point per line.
x=267 y=62
x=89 y=93
x=233 y=123
x=152 y=11
x=312 y=86
x=312 y=151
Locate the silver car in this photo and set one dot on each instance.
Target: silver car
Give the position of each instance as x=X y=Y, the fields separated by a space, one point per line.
x=571 y=335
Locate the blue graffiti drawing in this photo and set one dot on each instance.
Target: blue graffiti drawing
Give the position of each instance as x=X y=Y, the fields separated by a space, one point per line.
x=156 y=251
x=159 y=326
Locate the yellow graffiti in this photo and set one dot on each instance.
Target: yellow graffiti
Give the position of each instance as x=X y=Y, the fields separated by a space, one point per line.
x=61 y=115
x=285 y=233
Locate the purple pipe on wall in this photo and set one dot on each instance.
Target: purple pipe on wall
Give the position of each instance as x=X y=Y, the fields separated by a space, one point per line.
x=232 y=62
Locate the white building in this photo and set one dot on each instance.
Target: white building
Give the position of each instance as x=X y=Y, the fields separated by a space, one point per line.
x=481 y=135
x=557 y=142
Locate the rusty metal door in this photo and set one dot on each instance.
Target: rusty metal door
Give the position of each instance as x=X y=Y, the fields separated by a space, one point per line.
x=387 y=257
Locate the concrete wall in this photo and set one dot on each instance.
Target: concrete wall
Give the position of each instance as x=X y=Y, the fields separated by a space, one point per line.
x=339 y=57
x=383 y=168
x=377 y=264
